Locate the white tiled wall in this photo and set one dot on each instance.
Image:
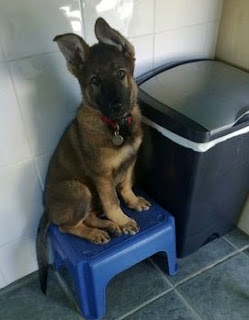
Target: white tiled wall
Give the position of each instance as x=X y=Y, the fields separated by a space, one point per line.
x=185 y=43
x=17 y=258
x=38 y=96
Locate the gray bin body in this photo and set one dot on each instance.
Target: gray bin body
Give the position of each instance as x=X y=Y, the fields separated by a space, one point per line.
x=195 y=156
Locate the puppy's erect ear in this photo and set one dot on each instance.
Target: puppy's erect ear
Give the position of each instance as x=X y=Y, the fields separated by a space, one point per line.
x=74 y=49
x=106 y=35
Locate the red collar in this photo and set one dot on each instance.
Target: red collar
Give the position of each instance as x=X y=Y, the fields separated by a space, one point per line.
x=117 y=124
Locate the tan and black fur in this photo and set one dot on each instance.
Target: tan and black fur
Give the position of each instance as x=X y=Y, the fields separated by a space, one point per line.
x=87 y=170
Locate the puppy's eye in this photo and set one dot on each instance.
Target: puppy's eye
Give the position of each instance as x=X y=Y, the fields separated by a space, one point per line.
x=96 y=81
x=121 y=74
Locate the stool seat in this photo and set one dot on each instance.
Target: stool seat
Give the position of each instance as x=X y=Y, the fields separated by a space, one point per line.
x=92 y=266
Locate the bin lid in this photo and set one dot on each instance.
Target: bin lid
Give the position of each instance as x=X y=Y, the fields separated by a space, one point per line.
x=200 y=100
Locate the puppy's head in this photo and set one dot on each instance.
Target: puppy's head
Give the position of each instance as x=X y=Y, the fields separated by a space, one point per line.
x=104 y=71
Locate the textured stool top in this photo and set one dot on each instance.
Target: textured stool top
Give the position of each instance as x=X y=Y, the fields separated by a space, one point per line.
x=79 y=248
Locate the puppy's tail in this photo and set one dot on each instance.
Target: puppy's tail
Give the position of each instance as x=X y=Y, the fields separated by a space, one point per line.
x=41 y=251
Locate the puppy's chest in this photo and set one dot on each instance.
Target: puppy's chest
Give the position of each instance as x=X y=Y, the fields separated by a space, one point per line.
x=124 y=157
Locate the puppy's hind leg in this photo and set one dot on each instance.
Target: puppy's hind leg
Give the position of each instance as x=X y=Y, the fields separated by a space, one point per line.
x=92 y=220
x=94 y=235
x=69 y=206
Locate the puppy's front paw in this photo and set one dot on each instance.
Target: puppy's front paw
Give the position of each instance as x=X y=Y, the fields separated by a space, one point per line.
x=98 y=236
x=113 y=228
x=139 y=204
x=130 y=227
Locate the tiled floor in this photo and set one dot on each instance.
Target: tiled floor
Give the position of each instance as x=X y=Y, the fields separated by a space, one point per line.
x=212 y=284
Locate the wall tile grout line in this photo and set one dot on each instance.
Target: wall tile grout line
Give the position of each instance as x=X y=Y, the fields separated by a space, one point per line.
x=5 y=282
x=23 y=122
x=219 y=23
x=82 y=12
x=30 y=56
x=187 y=26
x=38 y=174
x=20 y=109
x=16 y=163
x=22 y=237
x=140 y=36
x=83 y=23
x=37 y=169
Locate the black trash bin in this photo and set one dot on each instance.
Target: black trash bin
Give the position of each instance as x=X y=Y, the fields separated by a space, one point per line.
x=195 y=156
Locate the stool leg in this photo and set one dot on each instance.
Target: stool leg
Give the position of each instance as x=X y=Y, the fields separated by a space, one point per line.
x=58 y=262
x=171 y=250
x=91 y=292
x=172 y=262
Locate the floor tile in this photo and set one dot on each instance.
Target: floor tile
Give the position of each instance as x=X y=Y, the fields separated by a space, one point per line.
x=27 y=302
x=168 y=307
x=133 y=287
x=129 y=289
x=246 y=252
x=204 y=257
x=238 y=238
x=222 y=293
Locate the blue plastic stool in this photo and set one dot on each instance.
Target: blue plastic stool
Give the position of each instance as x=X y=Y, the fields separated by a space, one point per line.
x=91 y=266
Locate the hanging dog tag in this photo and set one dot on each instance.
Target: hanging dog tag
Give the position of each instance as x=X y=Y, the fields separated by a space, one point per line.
x=117 y=139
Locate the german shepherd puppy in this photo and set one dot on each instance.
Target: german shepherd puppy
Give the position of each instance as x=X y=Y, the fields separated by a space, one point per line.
x=96 y=155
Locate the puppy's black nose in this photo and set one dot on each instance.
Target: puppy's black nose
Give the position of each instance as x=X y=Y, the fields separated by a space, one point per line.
x=117 y=107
